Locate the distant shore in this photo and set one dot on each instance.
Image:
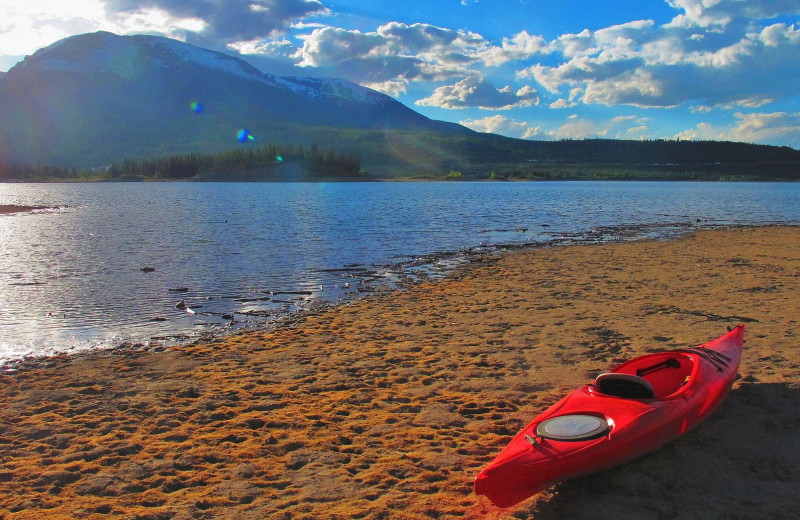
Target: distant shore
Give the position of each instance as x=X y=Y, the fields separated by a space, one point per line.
x=387 y=407
x=246 y=177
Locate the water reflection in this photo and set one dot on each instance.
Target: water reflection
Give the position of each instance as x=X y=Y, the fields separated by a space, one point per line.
x=246 y=253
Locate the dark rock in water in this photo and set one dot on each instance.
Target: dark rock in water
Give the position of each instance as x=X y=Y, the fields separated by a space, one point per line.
x=147 y=269
x=179 y=289
x=255 y=313
x=227 y=316
x=180 y=305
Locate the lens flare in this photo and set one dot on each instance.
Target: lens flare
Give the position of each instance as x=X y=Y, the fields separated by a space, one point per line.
x=243 y=136
x=279 y=159
x=196 y=107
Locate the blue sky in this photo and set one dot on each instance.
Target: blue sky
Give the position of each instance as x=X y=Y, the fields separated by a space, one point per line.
x=535 y=69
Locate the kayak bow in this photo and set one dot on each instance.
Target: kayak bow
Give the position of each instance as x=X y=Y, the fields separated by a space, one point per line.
x=625 y=413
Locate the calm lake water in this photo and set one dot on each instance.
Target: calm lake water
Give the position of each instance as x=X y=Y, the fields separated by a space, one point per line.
x=71 y=279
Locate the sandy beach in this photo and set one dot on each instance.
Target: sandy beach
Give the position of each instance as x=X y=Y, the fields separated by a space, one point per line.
x=388 y=407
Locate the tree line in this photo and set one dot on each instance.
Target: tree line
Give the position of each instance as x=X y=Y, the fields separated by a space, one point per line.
x=317 y=161
x=14 y=171
x=409 y=154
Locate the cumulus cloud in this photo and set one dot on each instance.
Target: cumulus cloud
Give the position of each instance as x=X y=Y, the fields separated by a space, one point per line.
x=562 y=103
x=577 y=128
x=476 y=92
x=702 y=132
x=574 y=127
x=275 y=48
x=518 y=47
x=619 y=127
x=705 y=13
x=638 y=64
x=752 y=127
x=637 y=130
x=392 y=55
x=574 y=94
x=28 y=26
x=391 y=87
x=762 y=127
x=502 y=125
x=225 y=21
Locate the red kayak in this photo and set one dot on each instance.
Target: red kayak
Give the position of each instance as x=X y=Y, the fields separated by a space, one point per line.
x=637 y=407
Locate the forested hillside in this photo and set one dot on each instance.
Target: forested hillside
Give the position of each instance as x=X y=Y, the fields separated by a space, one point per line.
x=307 y=153
x=271 y=162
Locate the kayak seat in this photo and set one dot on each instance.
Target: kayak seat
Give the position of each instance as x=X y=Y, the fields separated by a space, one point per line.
x=627 y=386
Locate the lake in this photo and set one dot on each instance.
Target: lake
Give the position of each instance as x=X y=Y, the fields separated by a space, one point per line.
x=241 y=255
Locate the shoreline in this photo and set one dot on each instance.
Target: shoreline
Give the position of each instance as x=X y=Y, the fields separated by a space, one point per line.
x=401 y=179
x=404 y=274
x=388 y=405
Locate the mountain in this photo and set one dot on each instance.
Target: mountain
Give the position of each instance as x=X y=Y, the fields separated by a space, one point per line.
x=94 y=98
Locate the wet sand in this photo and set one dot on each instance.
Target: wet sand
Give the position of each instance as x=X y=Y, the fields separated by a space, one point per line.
x=389 y=406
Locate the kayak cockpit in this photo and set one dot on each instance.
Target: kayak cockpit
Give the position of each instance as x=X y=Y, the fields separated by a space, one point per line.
x=629 y=386
x=657 y=376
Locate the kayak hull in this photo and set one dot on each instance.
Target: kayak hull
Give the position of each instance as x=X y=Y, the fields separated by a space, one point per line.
x=686 y=385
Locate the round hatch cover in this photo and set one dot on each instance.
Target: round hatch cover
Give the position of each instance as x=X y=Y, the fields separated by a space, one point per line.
x=572 y=428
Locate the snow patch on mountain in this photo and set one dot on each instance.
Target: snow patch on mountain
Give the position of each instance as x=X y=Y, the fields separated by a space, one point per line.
x=204 y=58
x=98 y=51
x=333 y=88
x=126 y=56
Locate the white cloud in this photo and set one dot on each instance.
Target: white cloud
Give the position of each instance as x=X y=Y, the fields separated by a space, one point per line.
x=392 y=87
x=476 y=92
x=639 y=64
x=223 y=22
x=707 y=13
x=702 y=132
x=579 y=129
x=637 y=87
x=518 y=47
x=502 y=125
x=763 y=128
x=562 y=103
x=277 y=48
x=26 y=27
x=395 y=52
x=753 y=128
x=640 y=130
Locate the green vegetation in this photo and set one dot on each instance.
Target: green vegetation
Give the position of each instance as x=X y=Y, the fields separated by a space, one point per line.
x=424 y=155
x=13 y=171
x=269 y=162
